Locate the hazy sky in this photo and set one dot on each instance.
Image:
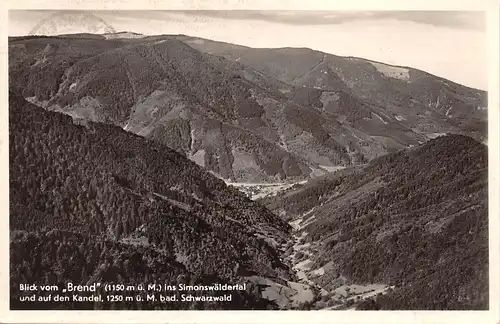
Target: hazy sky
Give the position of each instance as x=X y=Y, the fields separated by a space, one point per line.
x=451 y=44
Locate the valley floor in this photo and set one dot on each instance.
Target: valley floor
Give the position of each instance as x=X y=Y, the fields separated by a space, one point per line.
x=306 y=292
x=261 y=190
x=341 y=294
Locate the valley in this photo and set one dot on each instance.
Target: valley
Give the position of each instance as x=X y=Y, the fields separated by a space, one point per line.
x=307 y=292
x=322 y=241
x=359 y=230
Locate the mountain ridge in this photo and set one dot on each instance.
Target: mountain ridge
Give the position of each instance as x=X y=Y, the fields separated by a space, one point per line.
x=348 y=121
x=14 y=38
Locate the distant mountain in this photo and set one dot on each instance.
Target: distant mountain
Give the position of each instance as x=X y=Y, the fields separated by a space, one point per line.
x=245 y=114
x=416 y=220
x=404 y=94
x=92 y=203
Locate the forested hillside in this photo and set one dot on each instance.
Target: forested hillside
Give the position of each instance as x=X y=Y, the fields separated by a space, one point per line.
x=416 y=219
x=93 y=203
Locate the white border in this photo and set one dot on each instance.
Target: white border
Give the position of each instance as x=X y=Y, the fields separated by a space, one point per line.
x=289 y=317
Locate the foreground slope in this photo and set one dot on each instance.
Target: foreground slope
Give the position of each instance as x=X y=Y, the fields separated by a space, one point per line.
x=249 y=115
x=92 y=203
x=416 y=220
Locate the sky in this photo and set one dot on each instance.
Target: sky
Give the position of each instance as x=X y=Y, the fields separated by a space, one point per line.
x=450 y=44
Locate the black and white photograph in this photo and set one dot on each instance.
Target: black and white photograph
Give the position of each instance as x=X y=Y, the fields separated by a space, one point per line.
x=248 y=160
